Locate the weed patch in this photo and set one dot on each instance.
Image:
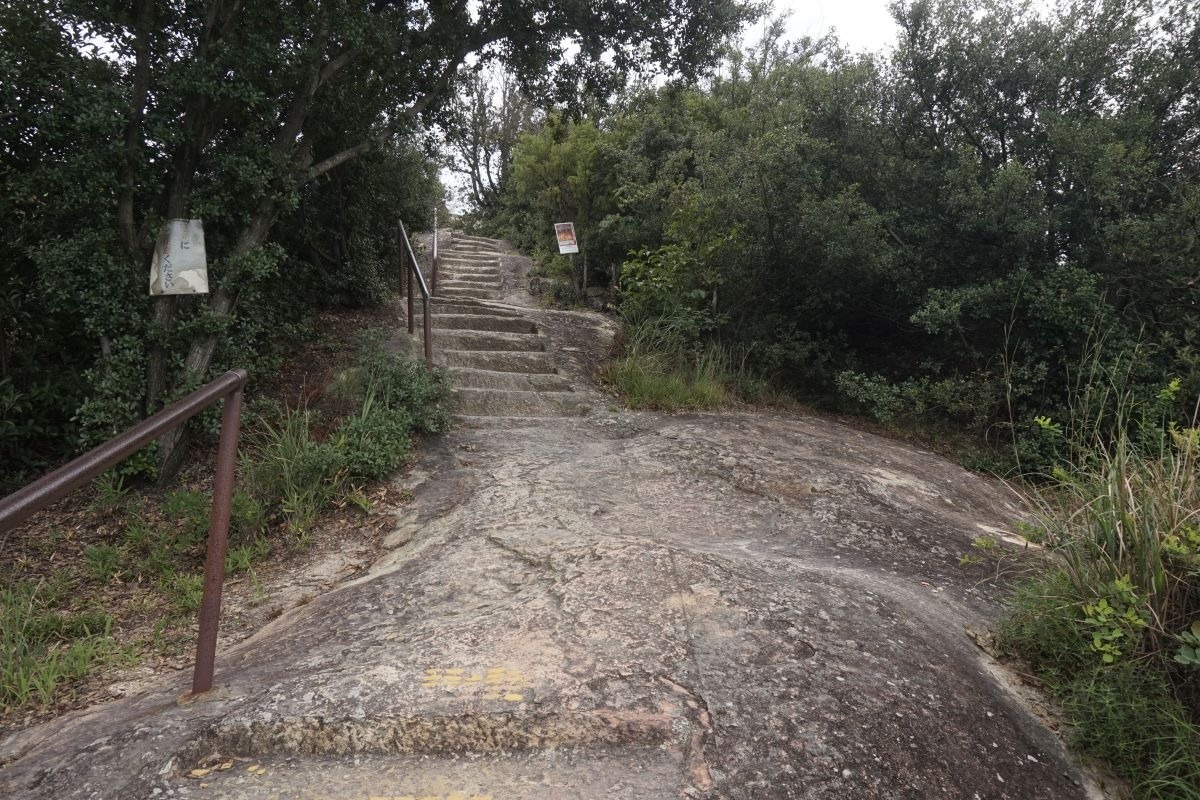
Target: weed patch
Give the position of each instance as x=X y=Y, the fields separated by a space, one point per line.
x=42 y=649
x=661 y=369
x=1107 y=627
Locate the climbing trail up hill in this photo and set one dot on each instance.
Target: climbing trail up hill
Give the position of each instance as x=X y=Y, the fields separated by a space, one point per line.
x=574 y=606
x=501 y=363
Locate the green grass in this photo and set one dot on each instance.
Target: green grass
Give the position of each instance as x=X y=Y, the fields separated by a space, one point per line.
x=1103 y=627
x=42 y=650
x=292 y=468
x=660 y=370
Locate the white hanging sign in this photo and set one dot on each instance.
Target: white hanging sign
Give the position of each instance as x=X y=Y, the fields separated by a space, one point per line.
x=565 y=231
x=179 y=265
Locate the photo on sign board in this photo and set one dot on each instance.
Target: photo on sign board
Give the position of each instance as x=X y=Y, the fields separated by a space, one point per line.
x=565 y=232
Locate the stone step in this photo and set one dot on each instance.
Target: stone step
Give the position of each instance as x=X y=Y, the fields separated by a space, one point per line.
x=446 y=306
x=487 y=341
x=482 y=322
x=470 y=378
x=477 y=241
x=469 y=269
x=466 y=257
x=468 y=280
x=465 y=291
x=497 y=360
x=645 y=772
x=469 y=254
x=508 y=402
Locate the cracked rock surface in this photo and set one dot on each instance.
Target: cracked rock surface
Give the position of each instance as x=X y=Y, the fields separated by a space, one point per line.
x=618 y=605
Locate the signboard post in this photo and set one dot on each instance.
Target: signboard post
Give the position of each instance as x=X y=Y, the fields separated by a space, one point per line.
x=568 y=245
x=179 y=265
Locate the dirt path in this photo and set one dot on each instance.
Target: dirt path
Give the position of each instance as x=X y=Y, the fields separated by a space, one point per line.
x=610 y=604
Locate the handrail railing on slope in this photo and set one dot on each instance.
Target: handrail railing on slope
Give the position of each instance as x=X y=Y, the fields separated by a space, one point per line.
x=435 y=249
x=24 y=503
x=405 y=248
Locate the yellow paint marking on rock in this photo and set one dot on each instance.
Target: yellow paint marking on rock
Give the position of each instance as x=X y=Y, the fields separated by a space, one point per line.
x=473 y=678
x=513 y=697
x=492 y=696
x=455 y=671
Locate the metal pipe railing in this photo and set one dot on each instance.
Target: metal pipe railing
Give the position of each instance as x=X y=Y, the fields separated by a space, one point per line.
x=25 y=502
x=414 y=269
x=435 y=249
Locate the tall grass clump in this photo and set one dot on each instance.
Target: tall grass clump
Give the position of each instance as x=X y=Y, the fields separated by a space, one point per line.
x=41 y=649
x=298 y=466
x=662 y=368
x=1113 y=625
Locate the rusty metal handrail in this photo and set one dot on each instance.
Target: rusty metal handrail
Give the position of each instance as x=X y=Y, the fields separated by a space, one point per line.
x=23 y=503
x=435 y=249
x=405 y=246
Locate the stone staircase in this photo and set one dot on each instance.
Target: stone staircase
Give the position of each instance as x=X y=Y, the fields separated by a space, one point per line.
x=501 y=366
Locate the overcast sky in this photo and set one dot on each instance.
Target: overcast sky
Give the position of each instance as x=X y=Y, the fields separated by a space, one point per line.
x=860 y=24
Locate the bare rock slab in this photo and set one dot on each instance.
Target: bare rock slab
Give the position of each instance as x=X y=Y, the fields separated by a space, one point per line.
x=618 y=605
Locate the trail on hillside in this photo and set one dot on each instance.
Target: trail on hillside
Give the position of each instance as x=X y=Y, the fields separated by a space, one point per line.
x=583 y=602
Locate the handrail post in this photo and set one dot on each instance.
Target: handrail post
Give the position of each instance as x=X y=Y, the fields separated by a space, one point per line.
x=433 y=289
x=218 y=541
x=407 y=272
x=428 y=332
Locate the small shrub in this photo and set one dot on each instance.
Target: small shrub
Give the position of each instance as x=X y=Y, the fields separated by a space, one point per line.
x=374 y=442
x=398 y=383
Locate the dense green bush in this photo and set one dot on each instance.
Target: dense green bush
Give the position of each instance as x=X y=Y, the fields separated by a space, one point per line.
x=938 y=234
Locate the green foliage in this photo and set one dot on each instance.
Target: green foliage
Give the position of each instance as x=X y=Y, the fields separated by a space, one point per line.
x=375 y=441
x=42 y=650
x=664 y=367
x=404 y=384
x=1112 y=627
x=283 y=465
x=287 y=466
x=943 y=233
x=1189 y=647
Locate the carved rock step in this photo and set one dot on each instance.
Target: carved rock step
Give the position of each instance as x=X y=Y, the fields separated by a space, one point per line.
x=638 y=773
x=465 y=239
x=471 y=378
x=506 y=402
x=487 y=340
x=481 y=322
x=469 y=269
x=463 y=291
x=446 y=306
x=481 y=259
x=496 y=360
x=468 y=281
x=470 y=253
